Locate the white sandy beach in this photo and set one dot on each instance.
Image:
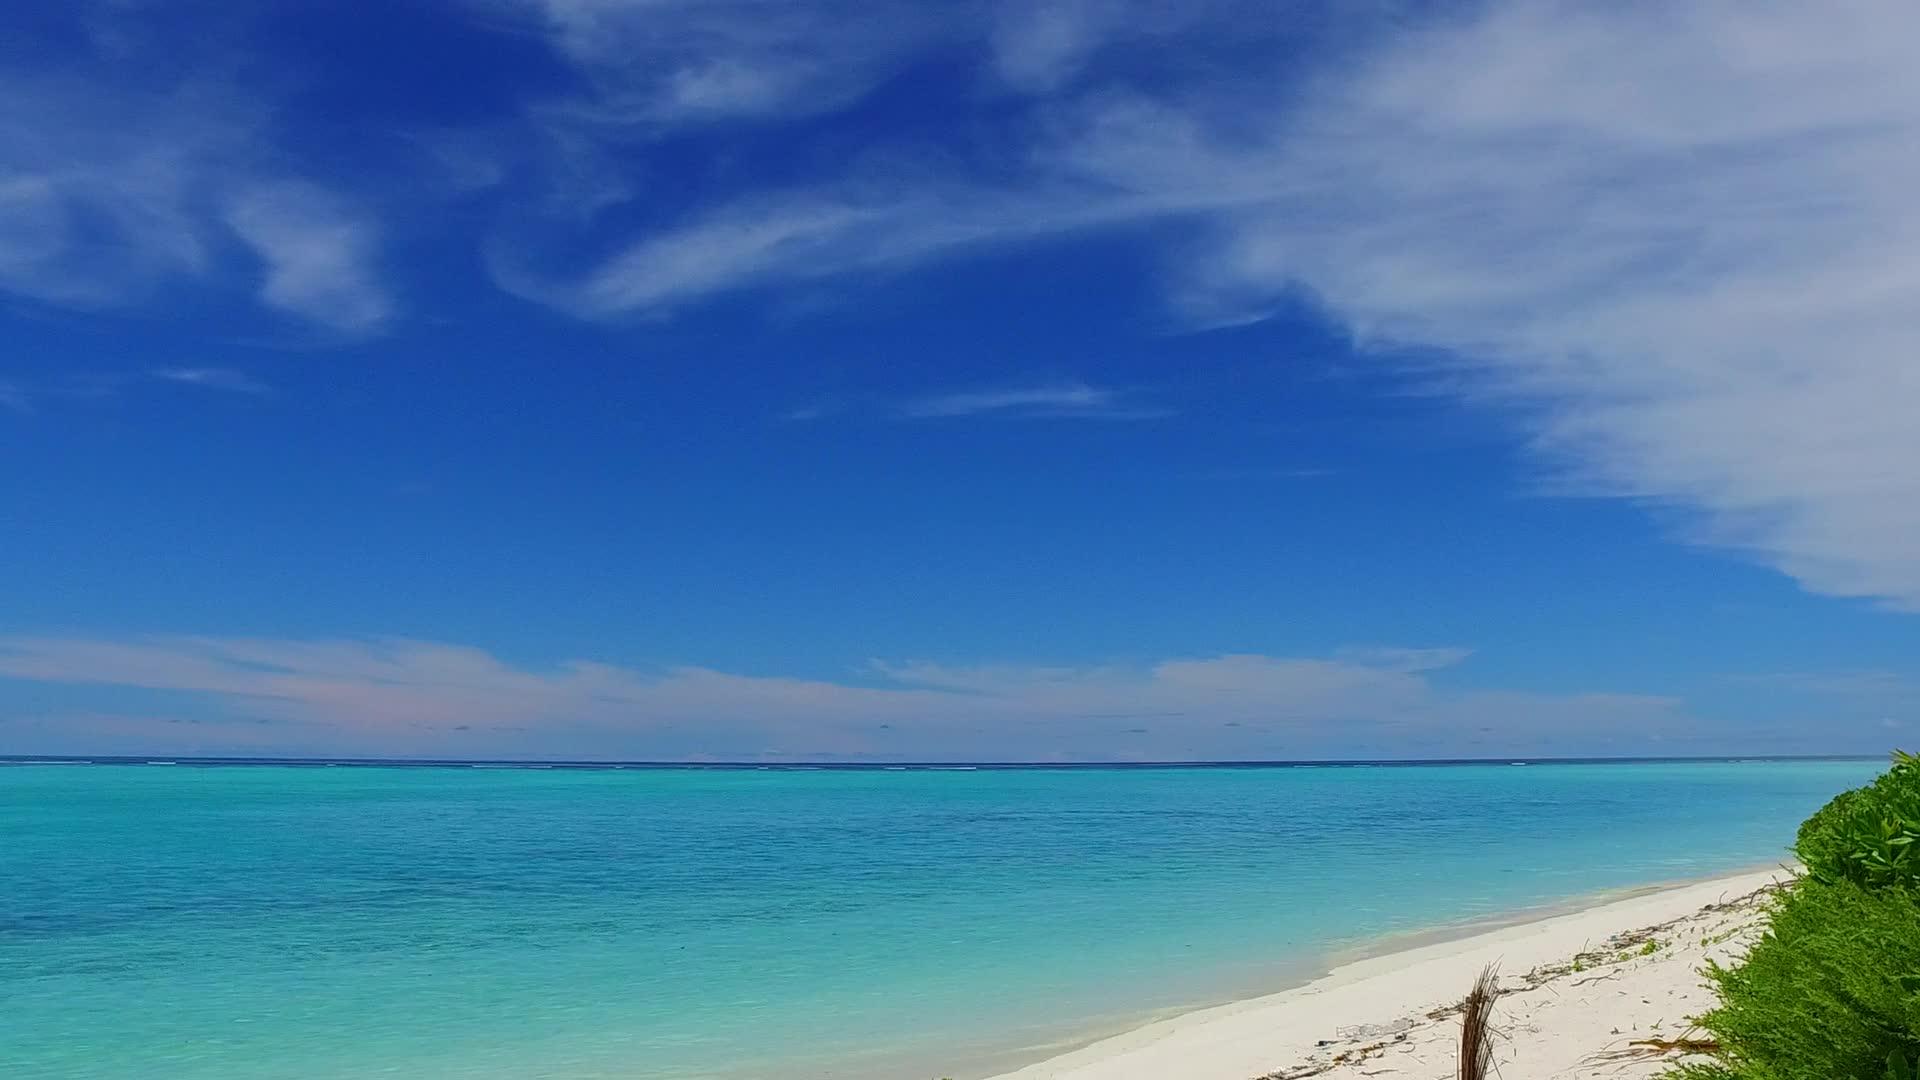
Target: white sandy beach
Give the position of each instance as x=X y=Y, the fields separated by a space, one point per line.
x=1580 y=990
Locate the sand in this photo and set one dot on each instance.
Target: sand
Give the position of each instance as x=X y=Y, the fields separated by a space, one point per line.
x=1579 y=990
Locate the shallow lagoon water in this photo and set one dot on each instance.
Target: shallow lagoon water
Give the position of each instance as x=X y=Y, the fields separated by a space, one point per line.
x=269 y=922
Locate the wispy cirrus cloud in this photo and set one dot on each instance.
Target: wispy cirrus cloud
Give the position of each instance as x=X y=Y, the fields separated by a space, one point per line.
x=84 y=386
x=1572 y=211
x=1058 y=399
x=657 y=273
x=658 y=69
x=667 y=63
x=125 y=174
x=1874 y=685
x=212 y=378
x=393 y=696
x=318 y=255
x=97 y=190
x=662 y=63
x=1039 y=46
x=1064 y=399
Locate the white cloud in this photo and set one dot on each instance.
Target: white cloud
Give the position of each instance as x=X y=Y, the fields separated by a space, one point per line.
x=318 y=255
x=116 y=175
x=411 y=697
x=1681 y=240
x=656 y=273
x=1060 y=399
x=1039 y=44
x=1879 y=687
x=781 y=240
x=211 y=378
x=1683 y=237
x=1063 y=399
x=97 y=386
x=96 y=189
x=659 y=64
x=1400 y=659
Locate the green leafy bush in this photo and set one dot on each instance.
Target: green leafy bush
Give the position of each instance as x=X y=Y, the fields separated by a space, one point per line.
x=1832 y=992
x=1870 y=835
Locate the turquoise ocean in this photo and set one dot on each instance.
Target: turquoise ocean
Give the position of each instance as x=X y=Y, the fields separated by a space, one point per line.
x=258 y=922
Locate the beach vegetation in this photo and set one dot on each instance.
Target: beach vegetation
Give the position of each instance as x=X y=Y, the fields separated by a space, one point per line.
x=1831 y=990
x=1869 y=835
x=1826 y=994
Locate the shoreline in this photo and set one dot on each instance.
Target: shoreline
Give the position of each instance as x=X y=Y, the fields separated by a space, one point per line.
x=1462 y=930
x=1394 y=995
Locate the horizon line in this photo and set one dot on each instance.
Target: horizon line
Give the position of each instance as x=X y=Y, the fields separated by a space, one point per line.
x=859 y=766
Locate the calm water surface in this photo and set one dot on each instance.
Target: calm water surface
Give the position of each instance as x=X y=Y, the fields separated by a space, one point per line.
x=264 y=923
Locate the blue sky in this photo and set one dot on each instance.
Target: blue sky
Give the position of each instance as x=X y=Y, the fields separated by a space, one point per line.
x=1053 y=380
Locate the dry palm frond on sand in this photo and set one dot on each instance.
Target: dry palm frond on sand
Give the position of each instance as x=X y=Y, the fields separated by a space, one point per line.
x=1653 y=1048
x=1476 y=1026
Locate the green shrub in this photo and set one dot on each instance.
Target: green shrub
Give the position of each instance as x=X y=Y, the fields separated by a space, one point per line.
x=1832 y=992
x=1868 y=836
